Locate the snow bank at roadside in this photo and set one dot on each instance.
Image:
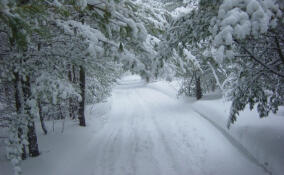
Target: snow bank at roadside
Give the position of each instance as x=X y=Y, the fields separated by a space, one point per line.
x=263 y=138
x=61 y=135
x=168 y=88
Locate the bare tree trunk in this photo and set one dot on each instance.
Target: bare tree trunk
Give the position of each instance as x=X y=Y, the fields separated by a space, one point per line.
x=33 y=145
x=198 y=87
x=71 y=109
x=189 y=84
x=61 y=112
x=8 y=93
x=147 y=79
x=71 y=76
x=19 y=108
x=32 y=137
x=81 y=116
x=43 y=127
x=213 y=86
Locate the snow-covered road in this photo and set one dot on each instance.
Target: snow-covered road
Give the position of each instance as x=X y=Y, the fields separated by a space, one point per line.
x=148 y=132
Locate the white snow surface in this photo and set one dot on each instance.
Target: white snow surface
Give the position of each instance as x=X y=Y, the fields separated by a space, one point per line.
x=143 y=129
x=262 y=138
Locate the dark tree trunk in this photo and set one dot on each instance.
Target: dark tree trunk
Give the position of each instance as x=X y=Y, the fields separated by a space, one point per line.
x=19 y=105
x=198 y=87
x=33 y=146
x=213 y=86
x=71 y=109
x=75 y=108
x=17 y=93
x=81 y=116
x=74 y=78
x=71 y=76
x=189 y=84
x=32 y=137
x=41 y=117
x=147 y=79
x=24 y=152
x=62 y=117
x=8 y=93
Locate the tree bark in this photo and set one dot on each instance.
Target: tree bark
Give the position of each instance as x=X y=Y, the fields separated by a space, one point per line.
x=7 y=93
x=213 y=86
x=71 y=109
x=61 y=112
x=32 y=137
x=82 y=78
x=33 y=145
x=279 y=49
x=43 y=127
x=19 y=106
x=71 y=77
x=189 y=84
x=198 y=87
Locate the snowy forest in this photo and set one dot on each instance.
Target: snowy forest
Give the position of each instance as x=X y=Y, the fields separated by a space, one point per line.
x=141 y=87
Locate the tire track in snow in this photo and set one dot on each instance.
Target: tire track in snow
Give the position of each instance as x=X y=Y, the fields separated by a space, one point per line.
x=104 y=162
x=146 y=144
x=134 y=145
x=168 y=150
x=109 y=143
x=167 y=147
x=121 y=147
x=143 y=140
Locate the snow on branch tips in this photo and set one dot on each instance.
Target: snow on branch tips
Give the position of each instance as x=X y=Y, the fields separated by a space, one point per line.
x=82 y=4
x=239 y=19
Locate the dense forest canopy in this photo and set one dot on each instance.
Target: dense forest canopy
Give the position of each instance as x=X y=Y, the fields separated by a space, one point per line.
x=56 y=56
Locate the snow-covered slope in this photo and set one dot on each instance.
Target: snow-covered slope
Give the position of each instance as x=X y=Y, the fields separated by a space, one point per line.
x=263 y=138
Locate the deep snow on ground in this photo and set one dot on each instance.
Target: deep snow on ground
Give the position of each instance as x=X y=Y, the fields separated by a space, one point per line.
x=143 y=129
x=263 y=138
x=5 y=166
